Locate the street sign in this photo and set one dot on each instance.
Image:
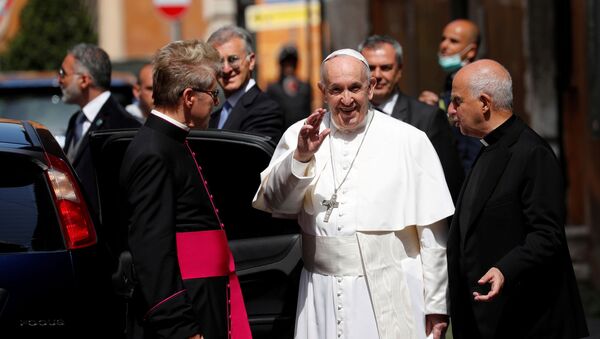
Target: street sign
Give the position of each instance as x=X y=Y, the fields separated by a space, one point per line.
x=172 y=9
x=272 y=16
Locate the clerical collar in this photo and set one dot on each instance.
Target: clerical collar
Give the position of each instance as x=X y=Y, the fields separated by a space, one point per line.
x=170 y=120
x=497 y=133
x=359 y=128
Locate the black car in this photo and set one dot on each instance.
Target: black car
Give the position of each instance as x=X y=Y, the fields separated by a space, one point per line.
x=266 y=250
x=56 y=260
x=53 y=282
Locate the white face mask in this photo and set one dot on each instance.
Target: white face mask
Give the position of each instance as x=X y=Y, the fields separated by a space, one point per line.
x=453 y=62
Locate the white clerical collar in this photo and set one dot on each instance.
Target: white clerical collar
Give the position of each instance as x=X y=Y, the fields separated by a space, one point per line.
x=235 y=97
x=93 y=107
x=387 y=106
x=361 y=126
x=170 y=120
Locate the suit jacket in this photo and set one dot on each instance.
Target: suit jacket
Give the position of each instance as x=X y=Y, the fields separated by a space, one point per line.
x=255 y=112
x=434 y=123
x=111 y=116
x=513 y=205
x=296 y=107
x=166 y=196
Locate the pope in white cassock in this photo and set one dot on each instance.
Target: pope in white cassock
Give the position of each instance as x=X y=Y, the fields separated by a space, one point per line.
x=370 y=196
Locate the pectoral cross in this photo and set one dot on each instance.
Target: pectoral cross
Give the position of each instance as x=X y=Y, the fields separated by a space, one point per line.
x=330 y=204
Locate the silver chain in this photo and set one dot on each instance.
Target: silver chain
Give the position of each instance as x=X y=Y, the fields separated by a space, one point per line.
x=355 y=156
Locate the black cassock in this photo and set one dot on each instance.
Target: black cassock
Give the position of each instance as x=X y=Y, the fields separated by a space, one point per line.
x=166 y=196
x=510 y=215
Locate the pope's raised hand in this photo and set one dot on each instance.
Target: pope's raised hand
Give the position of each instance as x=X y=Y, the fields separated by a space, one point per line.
x=310 y=138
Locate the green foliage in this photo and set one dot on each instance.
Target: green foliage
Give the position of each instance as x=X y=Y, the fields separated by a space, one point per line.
x=48 y=29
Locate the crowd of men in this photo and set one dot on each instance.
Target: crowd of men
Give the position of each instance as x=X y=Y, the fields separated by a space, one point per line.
x=414 y=212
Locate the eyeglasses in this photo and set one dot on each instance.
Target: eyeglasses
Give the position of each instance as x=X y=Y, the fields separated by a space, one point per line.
x=234 y=61
x=62 y=74
x=214 y=94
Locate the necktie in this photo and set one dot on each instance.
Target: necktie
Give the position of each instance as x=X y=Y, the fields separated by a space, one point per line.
x=224 y=114
x=78 y=133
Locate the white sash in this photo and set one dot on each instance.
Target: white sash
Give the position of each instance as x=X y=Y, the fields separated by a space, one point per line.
x=376 y=256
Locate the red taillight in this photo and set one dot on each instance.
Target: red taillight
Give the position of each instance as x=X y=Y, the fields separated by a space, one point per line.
x=75 y=220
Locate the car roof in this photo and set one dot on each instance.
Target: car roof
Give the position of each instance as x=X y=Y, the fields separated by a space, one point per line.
x=13 y=133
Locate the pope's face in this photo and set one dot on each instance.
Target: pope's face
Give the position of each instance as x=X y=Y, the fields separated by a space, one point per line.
x=385 y=69
x=346 y=90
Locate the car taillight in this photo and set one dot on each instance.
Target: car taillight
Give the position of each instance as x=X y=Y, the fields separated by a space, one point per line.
x=75 y=220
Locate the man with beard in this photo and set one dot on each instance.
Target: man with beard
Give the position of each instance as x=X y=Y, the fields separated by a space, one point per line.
x=84 y=79
x=369 y=194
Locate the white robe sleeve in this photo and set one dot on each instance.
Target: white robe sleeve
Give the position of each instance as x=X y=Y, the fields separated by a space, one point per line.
x=285 y=181
x=433 y=240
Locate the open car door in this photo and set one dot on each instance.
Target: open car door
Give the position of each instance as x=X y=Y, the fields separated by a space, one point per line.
x=266 y=250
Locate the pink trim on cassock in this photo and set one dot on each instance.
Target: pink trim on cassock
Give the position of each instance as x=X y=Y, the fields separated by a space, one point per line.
x=204 y=254
x=162 y=302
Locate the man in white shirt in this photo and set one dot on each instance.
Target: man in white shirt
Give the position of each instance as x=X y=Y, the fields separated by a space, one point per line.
x=370 y=196
x=84 y=78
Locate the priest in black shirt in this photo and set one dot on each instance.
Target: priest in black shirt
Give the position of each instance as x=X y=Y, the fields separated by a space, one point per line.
x=179 y=249
x=510 y=273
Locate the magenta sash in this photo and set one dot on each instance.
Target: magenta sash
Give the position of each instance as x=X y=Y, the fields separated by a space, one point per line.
x=204 y=254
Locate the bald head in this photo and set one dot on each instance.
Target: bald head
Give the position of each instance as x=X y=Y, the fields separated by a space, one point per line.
x=467 y=28
x=489 y=77
x=481 y=98
x=460 y=36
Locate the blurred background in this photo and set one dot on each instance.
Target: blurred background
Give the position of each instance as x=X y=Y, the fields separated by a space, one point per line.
x=551 y=48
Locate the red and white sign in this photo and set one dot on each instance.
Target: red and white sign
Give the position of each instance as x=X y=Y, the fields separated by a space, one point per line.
x=173 y=9
x=4 y=11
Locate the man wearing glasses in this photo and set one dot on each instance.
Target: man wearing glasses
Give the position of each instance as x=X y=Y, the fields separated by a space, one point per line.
x=246 y=107
x=84 y=78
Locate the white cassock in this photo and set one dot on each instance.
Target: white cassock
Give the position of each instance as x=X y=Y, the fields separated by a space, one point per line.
x=379 y=264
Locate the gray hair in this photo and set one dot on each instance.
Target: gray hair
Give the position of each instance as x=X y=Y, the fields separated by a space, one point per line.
x=374 y=41
x=180 y=65
x=496 y=85
x=94 y=61
x=226 y=33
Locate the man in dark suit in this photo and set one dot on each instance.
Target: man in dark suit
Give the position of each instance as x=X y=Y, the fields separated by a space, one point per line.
x=510 y=273
x=384 y=55
x=84 y=79
x=292 y=94
x=187 y=286
x=246 y=107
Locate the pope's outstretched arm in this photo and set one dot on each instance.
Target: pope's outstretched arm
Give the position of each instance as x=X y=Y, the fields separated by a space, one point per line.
x=286 y=179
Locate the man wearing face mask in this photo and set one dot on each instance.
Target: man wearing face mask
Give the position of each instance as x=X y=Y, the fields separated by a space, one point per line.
x=458 y=47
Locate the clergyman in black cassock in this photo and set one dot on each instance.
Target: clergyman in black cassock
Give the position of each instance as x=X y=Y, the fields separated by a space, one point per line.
x=172 y=211
x=510 y=273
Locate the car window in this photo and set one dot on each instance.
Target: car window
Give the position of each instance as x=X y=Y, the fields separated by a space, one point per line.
x=28 y=220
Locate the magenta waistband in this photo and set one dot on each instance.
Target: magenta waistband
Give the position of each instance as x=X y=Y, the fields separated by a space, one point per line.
x=203 y=254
